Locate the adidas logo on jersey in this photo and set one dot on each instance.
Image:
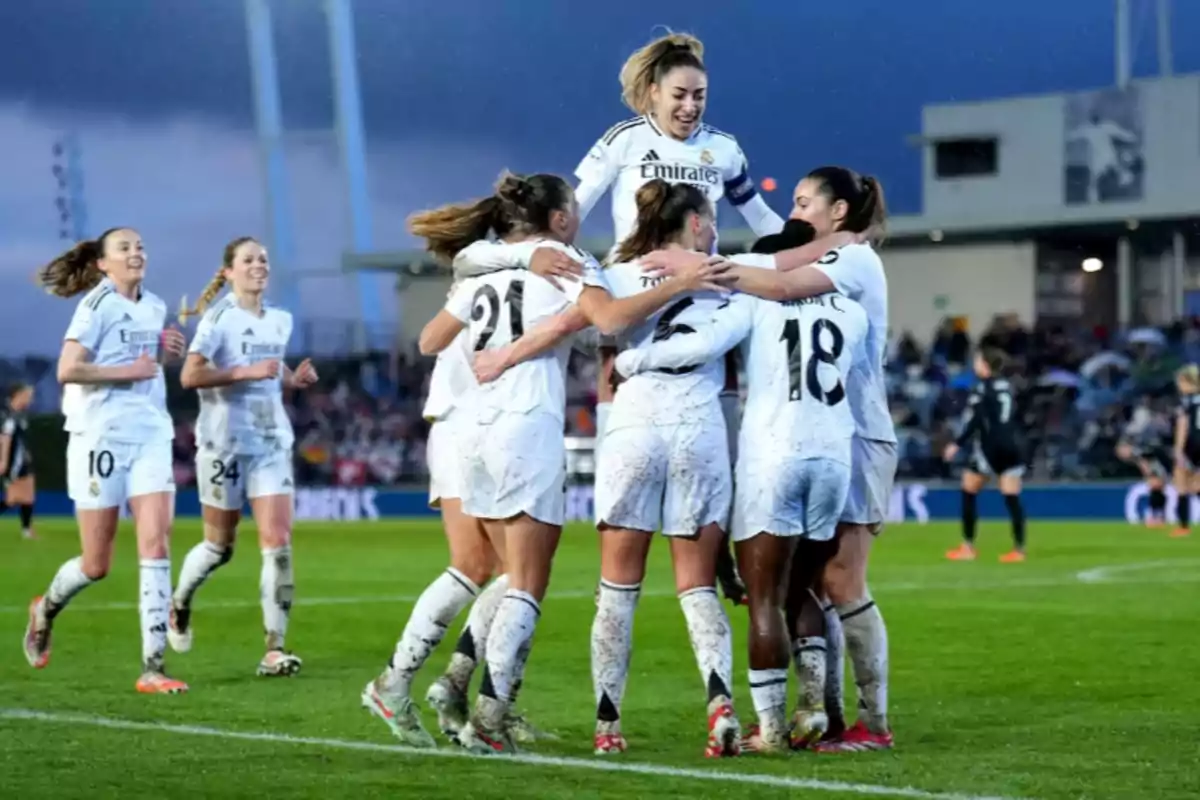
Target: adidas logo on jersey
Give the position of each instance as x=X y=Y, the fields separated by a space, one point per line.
x=248 y=332
x=650 y=156
x=126 y=317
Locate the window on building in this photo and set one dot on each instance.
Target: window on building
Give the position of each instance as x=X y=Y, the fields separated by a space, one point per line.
x=965 y=158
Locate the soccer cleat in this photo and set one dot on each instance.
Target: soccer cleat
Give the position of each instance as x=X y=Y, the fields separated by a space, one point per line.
x=756 y=742
x=1155 y=522
x=451 y=706
x=964 y=552
x=476 y=739
x=1179 y=533
x=724 y=732
x=1012 y=557
x=523 y=731
x=37 y=635
x=856 y=739
x=179 y=628
x=28 y=534
x=808 y=726
x=401 y=715
x=279 y=664
x=153 y=682
x=609 y=739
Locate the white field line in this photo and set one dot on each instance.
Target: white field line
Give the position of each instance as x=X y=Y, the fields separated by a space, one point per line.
x=1103 y=574
x=530 y=760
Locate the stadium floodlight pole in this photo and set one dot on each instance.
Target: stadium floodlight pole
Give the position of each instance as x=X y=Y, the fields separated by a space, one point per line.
x=78 y=203
x=352 y=147
x=268 y=118
x=1122 y=44
x=1166 y=60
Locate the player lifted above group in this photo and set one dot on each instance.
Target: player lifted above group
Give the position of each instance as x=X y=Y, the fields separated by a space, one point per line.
x=816 y=456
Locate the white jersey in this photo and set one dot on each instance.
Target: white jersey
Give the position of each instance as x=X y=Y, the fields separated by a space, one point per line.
x=498 y=308
x=661 y=397
x=116 y=331
x=451 y=380
x=856 y=271
x=799 y=357
x=636 y=151
x=246 y=417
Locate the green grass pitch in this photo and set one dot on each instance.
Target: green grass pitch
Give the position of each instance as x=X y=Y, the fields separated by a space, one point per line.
x=1072 y=675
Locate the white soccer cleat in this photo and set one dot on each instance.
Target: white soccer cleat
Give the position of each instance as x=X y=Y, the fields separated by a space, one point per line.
x=179 y=629
x=451 y=706
x=279 y=664
x=401 y=716
x=477 y=740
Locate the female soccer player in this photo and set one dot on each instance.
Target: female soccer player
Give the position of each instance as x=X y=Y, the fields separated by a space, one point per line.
x=114 y=400
x=793 y=479
x=842 y=205
x=512 y=461
x=244 y=442
x=664 y=465
x=1187 y=446
x=16 y=462
x=1146 y=442
x=993 y=429
x=665 y=83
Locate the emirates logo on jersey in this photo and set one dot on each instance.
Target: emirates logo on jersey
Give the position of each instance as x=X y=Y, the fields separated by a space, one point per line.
x=702 y=176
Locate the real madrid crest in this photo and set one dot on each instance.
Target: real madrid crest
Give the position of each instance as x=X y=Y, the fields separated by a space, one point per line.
x=706 y=157
x=217 y=493
x=94 y=488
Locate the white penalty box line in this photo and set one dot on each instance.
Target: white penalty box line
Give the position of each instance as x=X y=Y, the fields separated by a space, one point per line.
x=523 y=759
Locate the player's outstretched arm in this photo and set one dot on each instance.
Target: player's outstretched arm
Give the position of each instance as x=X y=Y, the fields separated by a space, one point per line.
x=491 y=364
x=549 y=260
x=611 y=316
x=728 y=326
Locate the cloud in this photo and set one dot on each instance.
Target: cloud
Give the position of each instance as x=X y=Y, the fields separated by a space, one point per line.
x=189 y=184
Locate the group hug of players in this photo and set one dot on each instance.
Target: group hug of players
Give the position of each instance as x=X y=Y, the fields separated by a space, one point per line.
x=813 y=451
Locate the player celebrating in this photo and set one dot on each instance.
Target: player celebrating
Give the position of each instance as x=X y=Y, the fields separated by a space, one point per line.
x=244 y=442
x=114 y=400
x=1187 y=446
x=16 y=461
x=793 y=470
x=664 y=465
x=992 y=427
x=843 y=207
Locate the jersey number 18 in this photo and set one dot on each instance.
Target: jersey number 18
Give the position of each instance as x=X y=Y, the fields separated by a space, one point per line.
x=804 y=372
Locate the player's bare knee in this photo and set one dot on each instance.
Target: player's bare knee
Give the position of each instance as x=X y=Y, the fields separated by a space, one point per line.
x=96 y=567
x=477 y=564
x=273 y=536
x=222 y=536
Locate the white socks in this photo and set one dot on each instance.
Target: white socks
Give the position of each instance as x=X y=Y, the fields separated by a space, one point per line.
x=276 y=590
x=154 y=605
x=867 y=644
x=200 y=562
x=68 y=582
x=612 y=646
x=809 y=655
x=471 y=650
x=511 y=633
x=835 y=669
x=435 y=609
x=712 y=639
x=768 y=690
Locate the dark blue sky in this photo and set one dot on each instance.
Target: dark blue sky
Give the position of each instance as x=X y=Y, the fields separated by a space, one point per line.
x=799 y=83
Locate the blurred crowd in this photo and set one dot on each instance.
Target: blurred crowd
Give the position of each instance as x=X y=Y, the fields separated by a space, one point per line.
x=1077 y=391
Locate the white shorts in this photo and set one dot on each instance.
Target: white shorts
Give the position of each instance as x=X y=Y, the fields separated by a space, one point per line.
x=670 y=477
x=790 y=497
x=226 y=480
x=106 y=474
x=514 y=465
x=872 y=474
x=441 y=454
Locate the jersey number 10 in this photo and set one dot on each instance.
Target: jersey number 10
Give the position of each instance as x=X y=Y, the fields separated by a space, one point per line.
x=486 y=304
x=804 y=373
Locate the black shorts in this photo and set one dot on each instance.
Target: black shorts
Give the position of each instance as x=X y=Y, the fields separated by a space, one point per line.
x=1160 y=460
x=1191 y=452
x=998 y=461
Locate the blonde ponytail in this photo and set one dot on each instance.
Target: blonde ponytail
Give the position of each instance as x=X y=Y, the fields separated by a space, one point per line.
x=649 y=64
